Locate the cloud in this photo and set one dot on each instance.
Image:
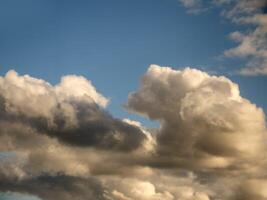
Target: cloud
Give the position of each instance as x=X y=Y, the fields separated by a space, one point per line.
x=190 y=3
x=142 y=190
x=253 y=189
x=205 y=123
x=109 y=187
x=57 y=187
x=193 y=6
x=17 y=91
x=157 y=185
x=251 y=44
x=241 y=8
x=63 y=129
x=70 y=111
x=211 y=143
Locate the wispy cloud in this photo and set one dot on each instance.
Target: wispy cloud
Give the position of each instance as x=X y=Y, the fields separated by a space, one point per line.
x=194 y=6
x=251 y=43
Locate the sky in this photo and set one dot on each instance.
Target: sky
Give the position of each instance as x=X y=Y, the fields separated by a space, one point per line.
x=163 y=81
x=48 y=39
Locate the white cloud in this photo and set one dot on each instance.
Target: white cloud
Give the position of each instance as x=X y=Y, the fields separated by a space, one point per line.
x=193 y=6
x=44 y=98
x=252 y=42
x=204 y=120
x=191 y=3
x=252 y=45
x=156 y=186
x=64 y=144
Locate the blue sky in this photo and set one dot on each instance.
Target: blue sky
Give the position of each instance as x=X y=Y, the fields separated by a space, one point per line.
x=112 y=43
x=16 y=196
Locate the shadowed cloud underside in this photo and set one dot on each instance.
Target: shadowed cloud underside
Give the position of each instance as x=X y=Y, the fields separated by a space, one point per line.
x=65 y=145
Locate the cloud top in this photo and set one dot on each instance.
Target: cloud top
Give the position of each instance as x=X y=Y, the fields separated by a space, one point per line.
x=204 y=120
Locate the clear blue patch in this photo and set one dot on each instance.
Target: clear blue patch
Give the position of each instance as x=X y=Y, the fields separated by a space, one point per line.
x=6 y=154
x=16 y=196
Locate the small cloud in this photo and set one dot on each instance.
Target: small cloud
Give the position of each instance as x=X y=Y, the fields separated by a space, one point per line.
x=194 y=6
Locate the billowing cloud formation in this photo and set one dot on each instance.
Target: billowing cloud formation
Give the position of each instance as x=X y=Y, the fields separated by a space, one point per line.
x=204 y=120
x=54 y=129
x=70 y=111
x=58 y=142
x=108 y=188
x=157 y=186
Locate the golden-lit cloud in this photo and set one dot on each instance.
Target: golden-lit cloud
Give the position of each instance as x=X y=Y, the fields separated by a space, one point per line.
x=210 y=145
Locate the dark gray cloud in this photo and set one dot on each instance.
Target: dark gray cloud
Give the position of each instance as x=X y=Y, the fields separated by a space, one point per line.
x=57 y=187
x=98 y=128
x=77 y=121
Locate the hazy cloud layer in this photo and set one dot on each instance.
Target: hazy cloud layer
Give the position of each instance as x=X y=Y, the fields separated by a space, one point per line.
x=58 y=142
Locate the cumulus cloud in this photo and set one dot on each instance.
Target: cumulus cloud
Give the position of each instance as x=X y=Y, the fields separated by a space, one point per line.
x=59 y=142
x=62 y=129
x=142 y=190
x=70 y=111
x=157 y=185
x=204 y=120
x=164 y=187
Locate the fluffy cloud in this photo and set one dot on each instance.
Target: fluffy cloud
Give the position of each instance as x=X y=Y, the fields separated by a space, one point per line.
x=109 y=187
x=17 y=91
x=58 y=142
x=157 y=185
x=70 y=111
x=204 y=120
x=142 y=190
x=62 y=128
